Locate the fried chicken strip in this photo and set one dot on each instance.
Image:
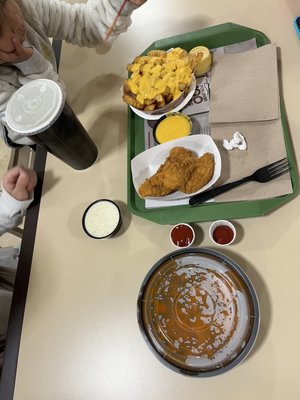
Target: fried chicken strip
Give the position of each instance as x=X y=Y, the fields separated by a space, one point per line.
x=164 y=182
x=182 y=170
x=202 y=173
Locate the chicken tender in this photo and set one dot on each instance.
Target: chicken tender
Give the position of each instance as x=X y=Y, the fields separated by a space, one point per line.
x=177 y=154
x=182 y=170
x=165 y=181
x=180 y=153
x=153 y=187
x=201 y=175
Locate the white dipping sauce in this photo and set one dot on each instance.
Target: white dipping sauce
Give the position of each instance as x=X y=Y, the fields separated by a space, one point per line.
x=101 y=219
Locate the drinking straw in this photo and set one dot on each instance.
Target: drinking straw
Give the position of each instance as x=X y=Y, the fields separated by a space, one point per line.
x=111 y=28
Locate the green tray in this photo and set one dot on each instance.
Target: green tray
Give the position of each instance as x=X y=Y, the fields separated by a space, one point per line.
x=212 y=37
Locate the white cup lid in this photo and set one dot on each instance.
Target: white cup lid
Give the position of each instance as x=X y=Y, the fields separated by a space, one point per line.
x=34 y=106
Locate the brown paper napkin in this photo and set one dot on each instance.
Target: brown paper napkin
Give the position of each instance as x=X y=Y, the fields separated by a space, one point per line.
x=244 y=86
x=265 y=145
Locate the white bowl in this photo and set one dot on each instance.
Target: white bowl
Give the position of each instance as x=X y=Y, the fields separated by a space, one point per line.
x=182 y=235
x=102 y=219
x=222 y=232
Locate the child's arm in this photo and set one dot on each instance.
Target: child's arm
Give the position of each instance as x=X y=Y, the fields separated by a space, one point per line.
x=84 y=24
x=37 y=67
x=30 y=62
x=17 y=187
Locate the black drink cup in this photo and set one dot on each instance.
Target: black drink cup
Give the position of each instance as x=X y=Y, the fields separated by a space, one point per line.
x=67 y=139
x=39 y=111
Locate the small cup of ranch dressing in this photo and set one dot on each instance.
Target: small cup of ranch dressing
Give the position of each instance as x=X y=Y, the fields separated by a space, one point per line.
x=102 y=219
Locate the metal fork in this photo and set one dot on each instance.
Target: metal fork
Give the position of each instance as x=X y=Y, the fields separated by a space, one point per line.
x=264 y=174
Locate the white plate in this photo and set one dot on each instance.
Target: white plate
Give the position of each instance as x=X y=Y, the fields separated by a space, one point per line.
x=145 y=164
x=156 y=114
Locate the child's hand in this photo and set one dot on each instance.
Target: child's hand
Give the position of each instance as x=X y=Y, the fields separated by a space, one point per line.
x=19 y=54
x=19 y=182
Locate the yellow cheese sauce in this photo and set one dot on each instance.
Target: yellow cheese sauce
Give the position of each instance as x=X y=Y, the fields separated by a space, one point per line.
x=173 y=127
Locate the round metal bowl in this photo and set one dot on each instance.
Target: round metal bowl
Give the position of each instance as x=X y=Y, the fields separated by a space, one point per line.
x=198 y=312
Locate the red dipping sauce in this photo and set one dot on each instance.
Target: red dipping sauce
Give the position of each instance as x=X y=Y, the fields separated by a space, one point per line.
x=223 y=234
x=182 y=235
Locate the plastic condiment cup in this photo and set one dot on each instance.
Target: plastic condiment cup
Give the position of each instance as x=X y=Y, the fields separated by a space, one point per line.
x=204 y=65
x=172 y=126
x=102 y=219
x=182 y=235
x=222 y=232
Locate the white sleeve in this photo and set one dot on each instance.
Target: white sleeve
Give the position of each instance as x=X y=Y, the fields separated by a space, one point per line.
x=7 y=89
x=36 y=67
x=11 y=211
x=84 y=24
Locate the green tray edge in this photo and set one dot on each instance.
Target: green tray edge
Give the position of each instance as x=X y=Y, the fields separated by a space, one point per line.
x=227 y=33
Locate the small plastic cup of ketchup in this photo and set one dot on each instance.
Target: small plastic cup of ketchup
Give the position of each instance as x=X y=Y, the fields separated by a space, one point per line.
x=182 y=235
x=222 y=232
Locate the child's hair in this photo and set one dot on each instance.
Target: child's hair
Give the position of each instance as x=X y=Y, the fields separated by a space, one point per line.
x=2 y=4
